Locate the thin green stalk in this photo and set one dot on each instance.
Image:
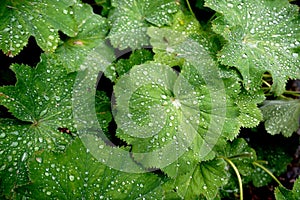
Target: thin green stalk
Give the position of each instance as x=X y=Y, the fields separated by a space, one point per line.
x=268 y=172
x=190 y=8
x=237 y=174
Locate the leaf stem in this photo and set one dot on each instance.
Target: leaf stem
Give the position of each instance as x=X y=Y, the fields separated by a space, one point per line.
x=268 y=172
x=237 y=174
x=190 y=8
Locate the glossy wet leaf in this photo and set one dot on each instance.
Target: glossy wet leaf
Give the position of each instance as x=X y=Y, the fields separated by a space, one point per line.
x=77 y=174
x=41 y=100
x=281 y=116
x=282 y=193
x=131 y=18
x=40 y=19
x=204 y=179
x=261 y=36
x=91 y=32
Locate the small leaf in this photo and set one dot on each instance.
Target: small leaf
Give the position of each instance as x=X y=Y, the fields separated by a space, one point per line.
x=261 y=36
x=76 y=174
x=281 y=116
x=41 y=19
x=282 y=193
x=131 y=19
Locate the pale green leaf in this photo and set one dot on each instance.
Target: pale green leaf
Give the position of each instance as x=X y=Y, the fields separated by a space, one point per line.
x=261 y=36
x=281 y=116
x=76 y=174
x=131 y=19
x=40 y=19
x=91 y=32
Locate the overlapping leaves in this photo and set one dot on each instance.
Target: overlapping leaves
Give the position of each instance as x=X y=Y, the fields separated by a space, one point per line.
x=261 y=36
x=131 y=19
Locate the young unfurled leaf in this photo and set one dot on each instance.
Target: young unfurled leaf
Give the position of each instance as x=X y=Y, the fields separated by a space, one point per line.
x=282 y=193
x=91 y=32
x=131 y=19
x=41 y=99
x=261 y=36
x=40 y=19
x=76 y=174
x=281 y=116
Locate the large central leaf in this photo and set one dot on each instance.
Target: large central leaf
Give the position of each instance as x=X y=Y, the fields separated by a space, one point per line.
x=261 y=36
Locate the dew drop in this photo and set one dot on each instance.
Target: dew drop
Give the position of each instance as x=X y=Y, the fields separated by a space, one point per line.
x=71 y=178
x=2 y=135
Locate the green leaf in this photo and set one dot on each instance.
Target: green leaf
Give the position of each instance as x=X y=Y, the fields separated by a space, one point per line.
x=41 y=95
x=276 y=160
x=91 y=32
x=106 y=6
x=282 y=193
x=166 y=40
x=76 y=174
x=122 y=66
x=40 y=19
x=250 y=115
x=261 y=36
x=131 y=19
x=281 y=116
x=205 y=178
x=240 y=154
x=41 y=98
x=103 y=110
